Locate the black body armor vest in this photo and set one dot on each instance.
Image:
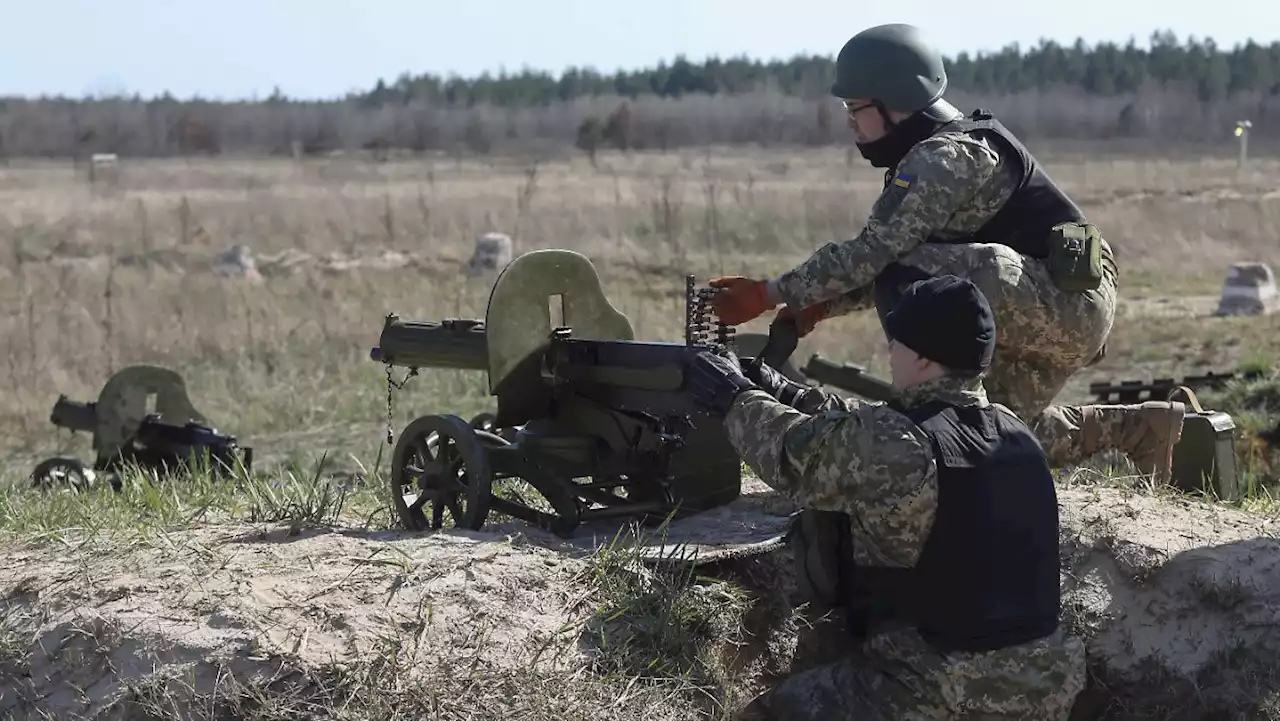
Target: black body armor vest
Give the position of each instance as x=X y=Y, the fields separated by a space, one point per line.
x=1038 y=204
x=1022 y=223
x=988 y=576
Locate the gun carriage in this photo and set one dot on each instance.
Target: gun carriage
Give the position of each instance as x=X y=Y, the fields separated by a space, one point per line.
x=599 y=423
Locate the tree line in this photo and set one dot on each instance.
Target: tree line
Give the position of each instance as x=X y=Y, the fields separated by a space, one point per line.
x=1189 y=93
x=1106 y=69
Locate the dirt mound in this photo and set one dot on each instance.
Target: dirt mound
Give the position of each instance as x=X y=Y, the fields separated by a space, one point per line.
x=262 y=623
x=232 y=615
x=1177 y=600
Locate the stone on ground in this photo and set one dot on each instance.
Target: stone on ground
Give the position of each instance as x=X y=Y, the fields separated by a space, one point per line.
x=493 y=251
x=1250 y=289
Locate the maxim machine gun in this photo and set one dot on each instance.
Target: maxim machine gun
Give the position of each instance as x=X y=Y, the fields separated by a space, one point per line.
x=142 y=418
x=597 y=422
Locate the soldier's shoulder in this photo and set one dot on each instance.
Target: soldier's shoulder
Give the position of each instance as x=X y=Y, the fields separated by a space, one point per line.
x=872 y=446
x=892 y=431
x=954 y=153
x=868 y=427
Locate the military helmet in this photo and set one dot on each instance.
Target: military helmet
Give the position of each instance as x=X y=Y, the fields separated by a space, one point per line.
x=894 y=65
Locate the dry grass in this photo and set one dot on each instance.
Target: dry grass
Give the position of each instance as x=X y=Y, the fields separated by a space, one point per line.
x=98 y=278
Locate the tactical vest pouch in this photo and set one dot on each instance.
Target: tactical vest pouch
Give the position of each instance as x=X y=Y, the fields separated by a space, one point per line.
x=1075 y=257
x=1205 y=456
x=818 y=541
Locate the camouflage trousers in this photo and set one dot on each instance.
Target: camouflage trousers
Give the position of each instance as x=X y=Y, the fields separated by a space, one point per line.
x=1044 y=335
x=896 y=675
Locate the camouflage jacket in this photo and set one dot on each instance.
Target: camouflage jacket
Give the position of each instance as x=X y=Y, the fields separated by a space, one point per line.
x=866 y=459
x=947 y=186
x=874 y=463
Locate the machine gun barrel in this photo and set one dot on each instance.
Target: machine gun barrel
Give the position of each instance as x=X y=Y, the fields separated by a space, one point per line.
x=74 y=415
x=848 y=377
x=451 y=343
x=1159 y=388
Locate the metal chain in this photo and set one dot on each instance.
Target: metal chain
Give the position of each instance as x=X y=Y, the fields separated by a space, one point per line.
x=392 y=384
x=390 y=432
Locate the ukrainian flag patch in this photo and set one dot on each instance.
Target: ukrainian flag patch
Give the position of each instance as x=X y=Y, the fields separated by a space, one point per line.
x=902 y=181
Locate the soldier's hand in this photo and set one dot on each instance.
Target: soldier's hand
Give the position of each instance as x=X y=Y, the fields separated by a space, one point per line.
x=741 y=299
x=807 y=319
x=716 y=380
x=765 y=376
x=771 y=381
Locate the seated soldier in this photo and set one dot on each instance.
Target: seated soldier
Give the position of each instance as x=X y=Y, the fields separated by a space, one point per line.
x=936 y=516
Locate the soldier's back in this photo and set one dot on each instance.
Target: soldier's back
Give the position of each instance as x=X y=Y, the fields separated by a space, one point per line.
x=976 y=168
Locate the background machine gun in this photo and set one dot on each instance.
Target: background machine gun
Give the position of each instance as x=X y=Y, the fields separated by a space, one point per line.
x=1159 y=388
x=598 y=423
x=172 y=438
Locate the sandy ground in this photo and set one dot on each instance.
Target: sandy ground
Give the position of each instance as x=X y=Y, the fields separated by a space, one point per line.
x=1172 y=583
x=95 y=614
x=202 y=601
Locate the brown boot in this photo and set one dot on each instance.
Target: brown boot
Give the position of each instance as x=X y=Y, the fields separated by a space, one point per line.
x=1145 y=432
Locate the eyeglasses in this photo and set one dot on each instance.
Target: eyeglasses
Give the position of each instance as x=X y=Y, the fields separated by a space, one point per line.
x=852 y=109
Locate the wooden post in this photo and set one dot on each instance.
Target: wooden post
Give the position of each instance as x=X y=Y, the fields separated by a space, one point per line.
x=1242 y=132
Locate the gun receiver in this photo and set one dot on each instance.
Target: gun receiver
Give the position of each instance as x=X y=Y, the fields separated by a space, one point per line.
x=171 y=447
x=849 y=377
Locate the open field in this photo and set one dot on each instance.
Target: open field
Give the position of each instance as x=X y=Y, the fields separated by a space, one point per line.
x=97 y=277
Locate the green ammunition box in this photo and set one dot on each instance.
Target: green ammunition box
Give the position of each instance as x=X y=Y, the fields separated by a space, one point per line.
x=1205 y=457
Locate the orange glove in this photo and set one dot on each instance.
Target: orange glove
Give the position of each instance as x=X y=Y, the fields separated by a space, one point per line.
x=741 y=299
x=808 y=318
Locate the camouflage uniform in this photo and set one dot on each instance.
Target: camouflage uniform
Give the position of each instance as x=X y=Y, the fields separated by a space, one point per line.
x=954 y=183
x=875 y=464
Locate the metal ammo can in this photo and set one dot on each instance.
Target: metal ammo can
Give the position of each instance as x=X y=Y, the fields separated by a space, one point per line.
x=1205 y=456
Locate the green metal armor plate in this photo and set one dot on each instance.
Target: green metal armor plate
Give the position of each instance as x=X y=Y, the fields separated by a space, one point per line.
x=518 y=321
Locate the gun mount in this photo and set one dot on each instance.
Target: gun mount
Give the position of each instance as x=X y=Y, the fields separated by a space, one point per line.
x=143 y=417
x=584 y=410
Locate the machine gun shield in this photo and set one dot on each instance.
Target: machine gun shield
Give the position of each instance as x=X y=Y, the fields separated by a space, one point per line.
x=518 y=322
x=122 y=404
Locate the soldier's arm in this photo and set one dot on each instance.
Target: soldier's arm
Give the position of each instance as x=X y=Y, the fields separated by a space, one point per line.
x=941 y=173
x=861 y=460
x=810 y=400
x=851 y=301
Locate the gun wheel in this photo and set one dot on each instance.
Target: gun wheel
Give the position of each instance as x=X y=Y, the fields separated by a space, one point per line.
x=68 y=472
x=441 y=460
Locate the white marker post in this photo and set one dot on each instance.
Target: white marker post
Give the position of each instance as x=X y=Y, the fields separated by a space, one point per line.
x=1242 y=132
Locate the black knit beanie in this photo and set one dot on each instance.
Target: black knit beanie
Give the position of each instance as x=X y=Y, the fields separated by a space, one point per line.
x=947 y=320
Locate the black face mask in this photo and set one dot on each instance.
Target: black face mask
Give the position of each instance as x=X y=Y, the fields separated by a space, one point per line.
x=888 y=151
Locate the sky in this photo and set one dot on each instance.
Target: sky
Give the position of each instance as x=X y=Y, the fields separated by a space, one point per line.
x=228 y=49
